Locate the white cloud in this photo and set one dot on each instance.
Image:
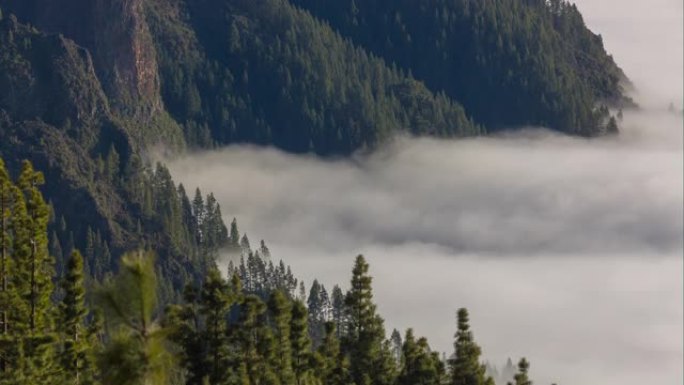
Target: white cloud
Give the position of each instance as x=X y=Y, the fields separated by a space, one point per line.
x=566 y=250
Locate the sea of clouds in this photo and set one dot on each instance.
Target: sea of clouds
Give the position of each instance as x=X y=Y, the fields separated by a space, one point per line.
x=566 y=250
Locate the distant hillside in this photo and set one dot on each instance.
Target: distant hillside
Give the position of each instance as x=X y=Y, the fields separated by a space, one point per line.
x=89 y=87
x=508 y=62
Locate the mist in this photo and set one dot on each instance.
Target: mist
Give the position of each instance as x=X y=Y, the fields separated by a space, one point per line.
x=567 y=251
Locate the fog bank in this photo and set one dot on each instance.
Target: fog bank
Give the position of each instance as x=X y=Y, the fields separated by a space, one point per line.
x=566 y=250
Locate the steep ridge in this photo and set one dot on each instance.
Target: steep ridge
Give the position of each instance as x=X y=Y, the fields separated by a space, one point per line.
x=244 y=71
x=105 y=201
x=89 y=88
x=510 y=63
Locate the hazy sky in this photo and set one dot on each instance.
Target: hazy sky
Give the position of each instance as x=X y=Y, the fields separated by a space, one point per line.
x=567 y=251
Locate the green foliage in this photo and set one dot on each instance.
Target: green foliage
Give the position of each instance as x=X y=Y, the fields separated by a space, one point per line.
x=75 y=355
x=521 y=377
x=364 y=342
x=419 y=365
x=281 y=309
x=509 y=62
x=268 y=73
x=220 y=333
x=466 y=368
x=333 y=364
x=138 y=350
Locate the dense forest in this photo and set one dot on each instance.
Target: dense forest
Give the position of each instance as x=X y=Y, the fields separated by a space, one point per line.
x=93 y=92
x=510 y=62
x=254 y=328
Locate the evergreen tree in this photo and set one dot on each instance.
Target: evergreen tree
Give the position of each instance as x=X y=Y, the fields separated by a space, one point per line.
x=10 y=304
x=33 y=278
x=234 y=234
x=338 y=311
x=281 y=310
x=333 y=365
x=252 y=339
x=419 y=365
x=371 y=360
x=7 y=302
x=466 y=368
x=316 y=306
x=216 y=299
x=301 y=344
x=76 y=350
x=396 y=343
x=521 y=377
x=137 y=352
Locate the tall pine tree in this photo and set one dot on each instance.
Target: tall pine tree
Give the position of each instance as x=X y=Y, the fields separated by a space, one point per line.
x=371 y=359
x=466 y=368
x=76 y=352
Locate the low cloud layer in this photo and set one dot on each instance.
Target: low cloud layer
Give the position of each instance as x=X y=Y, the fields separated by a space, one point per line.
x=528 y=194
x=566 y=250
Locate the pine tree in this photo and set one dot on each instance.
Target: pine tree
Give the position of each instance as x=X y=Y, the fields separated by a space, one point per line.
x=252 y=340
x=521 y=377
x=339 y=311
x=33 y=278
x=419 y=365
x=333 y=365
x=216 y=299
x=198 y=211
x=234 y=234
x=316 y=310
x=396 y=343
x=184 y=322
x=136 y=353
x=301 y=344
x=466 y=368
x=371 y=360
x=75 y=353
x=7 y=293
x=281 y=309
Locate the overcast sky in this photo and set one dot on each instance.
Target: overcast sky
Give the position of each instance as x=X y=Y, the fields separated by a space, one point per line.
x=566 y=250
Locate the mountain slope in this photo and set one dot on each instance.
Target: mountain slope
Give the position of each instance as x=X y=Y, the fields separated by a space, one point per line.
x=88 y=89
x=53 y=111
x=264 y=72
x=509 y=62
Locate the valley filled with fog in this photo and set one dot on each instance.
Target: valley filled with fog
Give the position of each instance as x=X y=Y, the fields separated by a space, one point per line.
x=567 y=251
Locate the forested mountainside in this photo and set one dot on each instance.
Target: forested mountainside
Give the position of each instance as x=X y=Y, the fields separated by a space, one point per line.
x=253 y=328
x=104 y=200
x=91 y=89
x=509 y=62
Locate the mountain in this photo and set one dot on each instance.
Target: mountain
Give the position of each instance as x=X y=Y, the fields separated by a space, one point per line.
x=509 y=62
x=90 y=90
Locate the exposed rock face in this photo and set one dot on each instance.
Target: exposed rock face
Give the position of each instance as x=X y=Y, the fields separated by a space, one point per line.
x=116 y=34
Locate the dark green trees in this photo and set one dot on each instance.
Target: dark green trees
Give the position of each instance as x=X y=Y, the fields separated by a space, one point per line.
x=137 y=352
x=332 y=364
x=38 y=342
x=510 y=63
x=7 y=294
x=419 y=366
x=220 y=334
x=76 y=356
x=199 y=327
x=281 y=309
x=301 y=345
x=466 y=368
x=521 y=377
x=364 y=342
